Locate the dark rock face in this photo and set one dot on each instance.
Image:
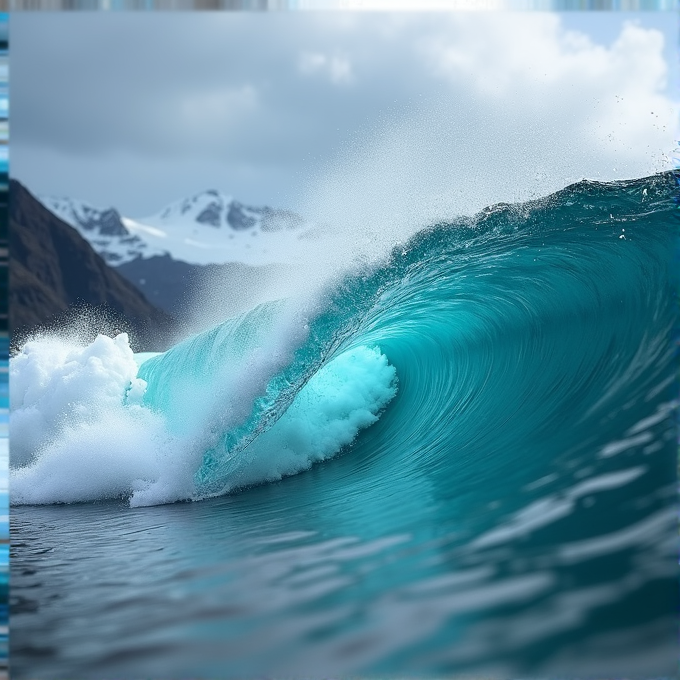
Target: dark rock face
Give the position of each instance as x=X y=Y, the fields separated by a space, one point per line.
x=278 y=220
x=237 y=218
x=111 y=225
x=53 y=271
x=105 y=222
x=211 y=215
x=165 y=282
x=172 y=285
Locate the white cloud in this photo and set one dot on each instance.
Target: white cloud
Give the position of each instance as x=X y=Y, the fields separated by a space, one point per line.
x=217 y=108
x=523 y=108
x=337 y=69
x=498 y=106
x=312 y=62
x=604 y=95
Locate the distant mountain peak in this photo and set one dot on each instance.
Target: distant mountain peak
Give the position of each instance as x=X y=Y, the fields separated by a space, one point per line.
x=209 y=207
x=102 y=228
x=207 y=227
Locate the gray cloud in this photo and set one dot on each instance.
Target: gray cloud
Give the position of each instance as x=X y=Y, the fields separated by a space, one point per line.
x=139 y=109
x=224 y=88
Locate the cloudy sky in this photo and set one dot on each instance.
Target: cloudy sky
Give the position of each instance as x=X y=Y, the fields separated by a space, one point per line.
x=332 y=110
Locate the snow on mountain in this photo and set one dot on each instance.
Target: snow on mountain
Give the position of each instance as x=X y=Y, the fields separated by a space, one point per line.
x=208 y=228
x=103 y=229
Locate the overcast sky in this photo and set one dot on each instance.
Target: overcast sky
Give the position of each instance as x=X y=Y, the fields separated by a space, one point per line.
x=305 y=110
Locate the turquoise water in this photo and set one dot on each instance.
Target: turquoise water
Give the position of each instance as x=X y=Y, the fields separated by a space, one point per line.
x=463 y=460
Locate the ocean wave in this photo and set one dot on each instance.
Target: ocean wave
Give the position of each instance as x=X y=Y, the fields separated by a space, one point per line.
x=528 y=330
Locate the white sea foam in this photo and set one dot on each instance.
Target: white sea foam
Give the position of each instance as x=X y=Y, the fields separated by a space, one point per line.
x=72 y=437
x=80 y=431
x=342 y=398
x=58 y=385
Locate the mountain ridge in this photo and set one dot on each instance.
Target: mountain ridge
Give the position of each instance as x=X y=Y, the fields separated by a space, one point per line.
x=55 y=274
x=209 y=227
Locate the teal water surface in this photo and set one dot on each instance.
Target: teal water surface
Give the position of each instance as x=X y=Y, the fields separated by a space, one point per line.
x=507 y=507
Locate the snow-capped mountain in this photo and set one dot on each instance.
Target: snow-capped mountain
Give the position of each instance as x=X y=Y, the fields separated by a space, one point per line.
x=102 y=229
x=218 y=210
x=208 y=228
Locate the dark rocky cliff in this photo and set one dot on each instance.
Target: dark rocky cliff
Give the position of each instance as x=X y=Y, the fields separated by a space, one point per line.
x=55 y=275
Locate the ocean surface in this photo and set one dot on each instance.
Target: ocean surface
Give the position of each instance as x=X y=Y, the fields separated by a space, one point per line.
x=460 y=460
